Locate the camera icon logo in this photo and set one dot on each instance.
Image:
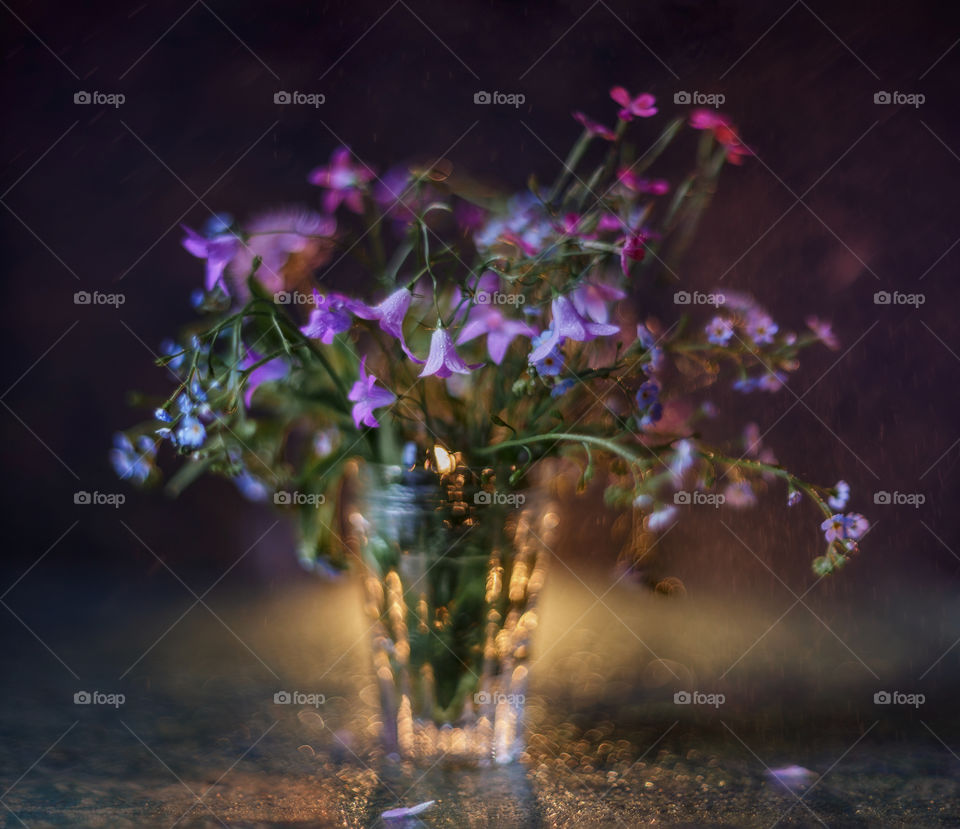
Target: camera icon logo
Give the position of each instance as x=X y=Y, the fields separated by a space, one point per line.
x=282 y=498
x=282 y=297
x=881 y=497
x=282 y=97
x=81 y=97
x=882 y=698
x=482 y=497
x=682 y=698
x=482 y=698
x=881 y=298
x=81 y=497
x=82 y=298
x=482 y=297
x=681 y=97
x=681 y=298
x=481 y=97
x=82 y=698
x=282 y=698
x=881 y=97
x=681 y=497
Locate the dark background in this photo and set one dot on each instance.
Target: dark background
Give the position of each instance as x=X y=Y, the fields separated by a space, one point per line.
x=93 y=196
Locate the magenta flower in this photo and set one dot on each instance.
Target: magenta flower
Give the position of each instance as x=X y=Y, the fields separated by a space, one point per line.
x=366 y=397
x=271 y=370
x=344 y=181
x=707 y=119
x=328 y=319
x=390 y=314
x=591 y=298
x=443 y=359
x=640 y=107
x=632 y=181
x=823 y=332
x=594 y=128
x=723 y=130
x=567 y=322
x=634 y=249
x=218 y=252
x=500 y=331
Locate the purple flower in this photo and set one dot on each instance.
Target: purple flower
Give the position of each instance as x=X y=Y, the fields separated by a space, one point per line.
x=443 y=359
x=654 y=354
x=344 y=181
x=551 y=364
x=823 y=332
x=793 y=497
x=648 y=394
x=641 y=107
x=591 y=298
x=661 y=519
x=366 y=397
x=632 y=181
x=739 y=494
x=845 y=527
x=594 y=128
x=218 y=252
x=653 y=415
x=563 y=387
x=772 y=381
x=719 y=331
x=328 y=319
x=841 y=494
x=500 y=331
x=390 y=313
x=271 y=370
x=568 y=323
x=760 y=328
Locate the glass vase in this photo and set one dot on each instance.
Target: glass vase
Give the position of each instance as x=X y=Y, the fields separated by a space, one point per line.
x=452 y=570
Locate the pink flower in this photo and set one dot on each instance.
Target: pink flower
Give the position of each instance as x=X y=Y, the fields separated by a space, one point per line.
x=723 y=130
x=218 y=252
x=443 y=359
x=344 y=181
x=567 y=322
x=390 y=313
x=500 y=331
x=640 y=107
x=824 y=332
x=634 y=248
x=591 y=298
x=366 y=397
x=631 y=181
x=707 y=119
x=596 y=129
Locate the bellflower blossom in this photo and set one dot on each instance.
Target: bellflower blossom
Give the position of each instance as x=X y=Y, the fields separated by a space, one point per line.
x=366 y=396
x=443 y=359
x=595 y=129
x=568 y=323
x=266 y=372
x=329 y=318
x=591 y=298
x=390 y=314
x=218 y=251
x=500 y=331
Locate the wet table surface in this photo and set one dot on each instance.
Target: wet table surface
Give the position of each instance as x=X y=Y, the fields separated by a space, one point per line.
x=199 y=741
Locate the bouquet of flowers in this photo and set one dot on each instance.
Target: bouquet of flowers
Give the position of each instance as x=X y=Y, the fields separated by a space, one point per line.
x=491 y=332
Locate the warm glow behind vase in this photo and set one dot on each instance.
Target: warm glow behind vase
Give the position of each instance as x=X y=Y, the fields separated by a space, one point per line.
x=452 y=572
